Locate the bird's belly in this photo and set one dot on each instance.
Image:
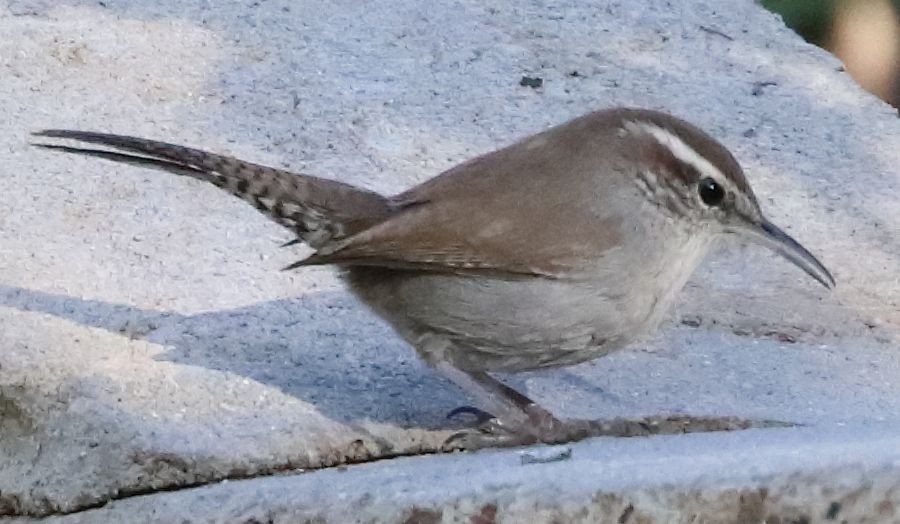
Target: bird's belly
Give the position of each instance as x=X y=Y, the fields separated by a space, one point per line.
x=502 y=325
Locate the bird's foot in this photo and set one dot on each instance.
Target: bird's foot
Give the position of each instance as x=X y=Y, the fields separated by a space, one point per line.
x=544 y=425
x=489 y=431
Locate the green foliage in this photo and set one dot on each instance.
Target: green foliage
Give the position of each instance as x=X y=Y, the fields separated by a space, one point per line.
x=810 y=18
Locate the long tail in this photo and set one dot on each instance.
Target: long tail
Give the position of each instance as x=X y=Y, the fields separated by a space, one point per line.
x=317 y=210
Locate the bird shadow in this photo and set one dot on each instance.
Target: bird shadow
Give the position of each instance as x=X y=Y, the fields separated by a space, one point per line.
x=322 y=348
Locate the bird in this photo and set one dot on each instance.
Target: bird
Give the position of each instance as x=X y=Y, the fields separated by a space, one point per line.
x=557 y=249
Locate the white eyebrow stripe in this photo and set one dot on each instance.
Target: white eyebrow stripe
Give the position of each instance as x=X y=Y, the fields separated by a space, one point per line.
x=680 y=150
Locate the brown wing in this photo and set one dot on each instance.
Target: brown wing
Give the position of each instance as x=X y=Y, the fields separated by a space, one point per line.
x=527 y=210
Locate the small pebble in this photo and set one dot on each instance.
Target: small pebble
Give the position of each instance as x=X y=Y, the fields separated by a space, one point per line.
x=543 y=455
x=532 y=82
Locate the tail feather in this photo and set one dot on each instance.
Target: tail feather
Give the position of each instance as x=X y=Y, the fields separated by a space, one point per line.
x=319 y=211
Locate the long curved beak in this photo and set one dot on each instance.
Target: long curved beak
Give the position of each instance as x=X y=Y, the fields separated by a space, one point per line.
x=769 y=235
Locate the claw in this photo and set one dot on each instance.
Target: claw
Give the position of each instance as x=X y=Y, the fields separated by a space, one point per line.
x=455 y=441
x=481 y=416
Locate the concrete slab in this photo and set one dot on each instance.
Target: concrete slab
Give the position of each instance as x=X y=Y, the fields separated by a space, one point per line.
x=148 y=341
x=796 y=475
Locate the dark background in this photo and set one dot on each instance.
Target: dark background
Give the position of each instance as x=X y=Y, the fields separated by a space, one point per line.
x=864 y=34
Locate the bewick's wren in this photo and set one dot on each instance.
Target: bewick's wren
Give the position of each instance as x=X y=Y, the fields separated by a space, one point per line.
x=555 y=250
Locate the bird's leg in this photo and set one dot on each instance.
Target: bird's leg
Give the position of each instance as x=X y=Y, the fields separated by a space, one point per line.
x=516 y=418
x=540 y=419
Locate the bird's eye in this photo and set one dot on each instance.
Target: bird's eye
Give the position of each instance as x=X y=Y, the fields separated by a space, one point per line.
x=711 y=192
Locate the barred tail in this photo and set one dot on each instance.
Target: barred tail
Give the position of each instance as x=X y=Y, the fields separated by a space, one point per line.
x=317 y=210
